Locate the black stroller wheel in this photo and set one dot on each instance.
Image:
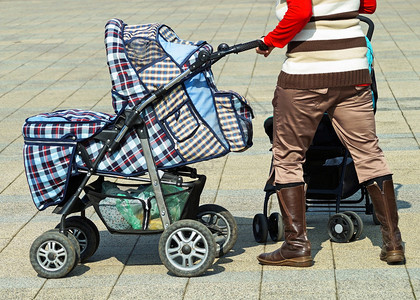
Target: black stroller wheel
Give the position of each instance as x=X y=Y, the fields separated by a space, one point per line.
x=340 y=228
x=275 y=227
x=187 y=248
x=221 y=224
x=86 y=233
x=357 y=223
x=260 y=228
x=53 y=254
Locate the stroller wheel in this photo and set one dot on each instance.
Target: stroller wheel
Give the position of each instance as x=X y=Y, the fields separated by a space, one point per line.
x=53 y=254
x=75 y=245
x=187 y=248
x=340 y=228
x=86 y=234
x=260 y=228
x=275 y=227
x=221 y=224
x=357 y=223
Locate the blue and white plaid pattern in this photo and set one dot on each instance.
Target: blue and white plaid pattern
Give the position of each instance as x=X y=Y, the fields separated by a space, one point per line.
x=171 y=103
x=76 y=123
x=230 y=107
x=123 y=76
x=47 y=171
x=159 y=74
x=128 y=158
x=204 y=145
x=182 y=124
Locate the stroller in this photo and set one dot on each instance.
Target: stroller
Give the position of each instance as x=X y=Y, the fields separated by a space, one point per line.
x=330 y=178
x=132 y=166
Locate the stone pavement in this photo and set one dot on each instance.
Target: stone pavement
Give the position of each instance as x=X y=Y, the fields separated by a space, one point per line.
x=53 y=57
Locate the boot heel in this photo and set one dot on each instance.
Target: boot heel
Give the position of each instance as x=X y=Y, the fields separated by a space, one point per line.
x=395 y=257
x=304 y=261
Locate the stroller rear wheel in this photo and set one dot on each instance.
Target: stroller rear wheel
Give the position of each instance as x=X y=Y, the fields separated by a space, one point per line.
x=86 y=234
x=53 y=254
x=260 y=228
x=221 y=224
x=187 y=248
x=340 y=228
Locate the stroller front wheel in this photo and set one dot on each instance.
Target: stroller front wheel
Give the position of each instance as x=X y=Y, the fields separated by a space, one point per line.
x=187 y=248
x=86 y=233
x=357 y=223
x=275 y=226
x=340 y=228
x=260 y=228
x=53 y=255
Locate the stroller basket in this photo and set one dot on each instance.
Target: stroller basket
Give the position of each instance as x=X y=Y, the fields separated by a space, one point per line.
x=132 y=208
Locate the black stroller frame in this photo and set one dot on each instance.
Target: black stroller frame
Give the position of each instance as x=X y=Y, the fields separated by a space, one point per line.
x=78 y=237
x=343 y=226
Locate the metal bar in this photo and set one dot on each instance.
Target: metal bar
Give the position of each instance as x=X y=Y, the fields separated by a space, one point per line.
x=156 y=184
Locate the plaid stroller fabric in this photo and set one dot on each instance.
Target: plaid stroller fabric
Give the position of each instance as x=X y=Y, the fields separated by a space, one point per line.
x=49 y=150
x=191 y=123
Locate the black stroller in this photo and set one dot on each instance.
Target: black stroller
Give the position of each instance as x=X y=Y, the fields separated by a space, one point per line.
x=131 y=166
x=331 y=180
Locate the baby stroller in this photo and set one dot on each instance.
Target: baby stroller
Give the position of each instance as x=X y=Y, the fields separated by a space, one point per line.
x=169 y=114
x=331 y=180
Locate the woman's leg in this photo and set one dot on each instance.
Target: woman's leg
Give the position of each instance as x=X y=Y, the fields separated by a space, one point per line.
x=353 y=120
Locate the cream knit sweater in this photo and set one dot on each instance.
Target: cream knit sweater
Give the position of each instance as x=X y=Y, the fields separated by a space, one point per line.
x=330 y=51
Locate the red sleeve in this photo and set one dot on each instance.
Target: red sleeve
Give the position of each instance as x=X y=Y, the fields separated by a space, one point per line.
x=297 y=16
x=367 y=6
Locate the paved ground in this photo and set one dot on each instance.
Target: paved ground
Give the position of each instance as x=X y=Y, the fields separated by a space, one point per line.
x=53 y=57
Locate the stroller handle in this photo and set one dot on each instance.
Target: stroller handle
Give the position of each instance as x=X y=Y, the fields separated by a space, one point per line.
x=371 y=26
x=247 y=46
x=222 y=50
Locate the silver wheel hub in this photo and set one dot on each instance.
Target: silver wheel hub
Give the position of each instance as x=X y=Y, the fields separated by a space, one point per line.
x=51 y=255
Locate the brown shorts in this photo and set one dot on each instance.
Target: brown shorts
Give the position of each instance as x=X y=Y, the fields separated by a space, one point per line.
x=297 y=114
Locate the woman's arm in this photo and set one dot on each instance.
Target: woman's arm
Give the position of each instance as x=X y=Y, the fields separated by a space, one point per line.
x=367 y=6
x=298 y=14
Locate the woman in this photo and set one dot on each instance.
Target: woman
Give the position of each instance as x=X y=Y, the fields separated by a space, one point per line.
x=326 y=70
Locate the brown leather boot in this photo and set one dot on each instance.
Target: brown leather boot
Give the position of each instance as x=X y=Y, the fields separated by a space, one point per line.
x=296 y=249
x=386 y=211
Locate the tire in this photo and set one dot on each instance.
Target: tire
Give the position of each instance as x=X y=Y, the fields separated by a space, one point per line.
x=53 y=255
x=221 y=224
x=275 y=227
x=187 y=248
x=260 y=228
x=86 y=234
x=357 y=223
x=340 y=228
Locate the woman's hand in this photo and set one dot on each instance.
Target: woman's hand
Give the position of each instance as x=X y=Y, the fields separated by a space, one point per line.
x=264 y=52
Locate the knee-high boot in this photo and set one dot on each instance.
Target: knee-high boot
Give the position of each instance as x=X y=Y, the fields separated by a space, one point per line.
x=386 y=211
x=296 y=249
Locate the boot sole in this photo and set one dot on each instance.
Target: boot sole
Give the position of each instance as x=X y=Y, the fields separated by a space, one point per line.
x=304 y=261
x=393 y=257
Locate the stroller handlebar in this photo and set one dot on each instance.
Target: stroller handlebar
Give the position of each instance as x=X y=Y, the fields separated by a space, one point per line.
x=247 y=46
x=224 y=49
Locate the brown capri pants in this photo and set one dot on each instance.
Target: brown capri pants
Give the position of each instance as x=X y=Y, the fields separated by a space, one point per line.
x=297 y=114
